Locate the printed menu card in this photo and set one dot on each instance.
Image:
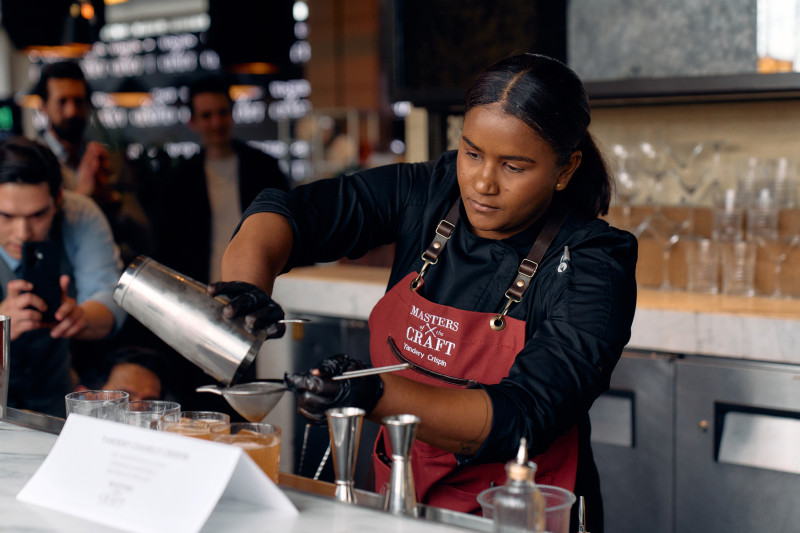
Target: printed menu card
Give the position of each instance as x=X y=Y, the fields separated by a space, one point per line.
x=142 y=480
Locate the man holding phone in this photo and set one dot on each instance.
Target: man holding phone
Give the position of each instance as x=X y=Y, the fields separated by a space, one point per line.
x=35 y=209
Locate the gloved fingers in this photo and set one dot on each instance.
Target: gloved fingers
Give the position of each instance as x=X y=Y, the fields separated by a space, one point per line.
x=308 y=383
x=264 y=318
x=256 y=303
x=337 y=364
x=313 y=416
x=247 y=300
x=228 y=288
x=274 y=331
x=313 y=406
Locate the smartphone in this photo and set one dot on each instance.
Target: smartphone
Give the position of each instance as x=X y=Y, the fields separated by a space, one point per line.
x=41 y=262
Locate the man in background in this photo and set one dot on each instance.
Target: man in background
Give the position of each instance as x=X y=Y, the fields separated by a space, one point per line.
x=141 y=372
x=202 y=204
x=86 y=166
x=206 y=195
x=34 y=208
x=65 y=104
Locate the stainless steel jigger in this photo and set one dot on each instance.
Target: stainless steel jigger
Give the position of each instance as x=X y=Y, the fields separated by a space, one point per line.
x=401 y=498
x=344 y=428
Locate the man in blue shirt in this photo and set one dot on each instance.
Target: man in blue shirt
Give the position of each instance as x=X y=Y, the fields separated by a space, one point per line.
x=33 y=207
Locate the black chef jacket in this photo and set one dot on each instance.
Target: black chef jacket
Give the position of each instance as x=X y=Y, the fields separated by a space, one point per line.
x=578 y=321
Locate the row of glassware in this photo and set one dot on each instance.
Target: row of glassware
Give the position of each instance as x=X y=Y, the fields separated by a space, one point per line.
x=747 y=196
x=261 y=441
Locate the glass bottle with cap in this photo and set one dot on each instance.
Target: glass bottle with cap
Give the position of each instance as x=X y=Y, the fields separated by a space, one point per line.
x=519 y=505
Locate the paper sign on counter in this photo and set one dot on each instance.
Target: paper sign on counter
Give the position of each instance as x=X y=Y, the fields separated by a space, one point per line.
x=143 y=480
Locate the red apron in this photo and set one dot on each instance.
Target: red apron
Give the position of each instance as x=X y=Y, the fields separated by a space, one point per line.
x=459 y=344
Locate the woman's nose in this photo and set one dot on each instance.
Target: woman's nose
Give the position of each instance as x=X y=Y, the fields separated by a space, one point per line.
x=485 y=181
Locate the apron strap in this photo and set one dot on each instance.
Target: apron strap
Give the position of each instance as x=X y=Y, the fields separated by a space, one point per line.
x=529 y=265
x=443 y=232
x=527 y=269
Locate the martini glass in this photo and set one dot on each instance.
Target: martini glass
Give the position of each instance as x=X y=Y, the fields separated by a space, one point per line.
x=667 y=233
x=627 y=186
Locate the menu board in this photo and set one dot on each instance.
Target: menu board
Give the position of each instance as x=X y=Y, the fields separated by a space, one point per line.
x=156 y=59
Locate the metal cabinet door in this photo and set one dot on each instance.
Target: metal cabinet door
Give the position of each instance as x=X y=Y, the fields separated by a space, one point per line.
x=632 y=440
x=738 y=446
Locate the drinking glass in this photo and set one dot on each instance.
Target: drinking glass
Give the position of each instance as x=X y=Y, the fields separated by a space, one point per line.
x=785 y=179
x=651 y=162
x=778 y=251
x=627 y=184
x=262 y=442
x=728 y=212
x=667 y=233
x=146 y=413
x=702 y=266
x=196 y=424
x=739 y=268
x=696 y=163
x=96 y=403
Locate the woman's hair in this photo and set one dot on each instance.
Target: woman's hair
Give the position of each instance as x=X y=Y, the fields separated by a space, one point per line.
x=549 y=97
x=27 y=162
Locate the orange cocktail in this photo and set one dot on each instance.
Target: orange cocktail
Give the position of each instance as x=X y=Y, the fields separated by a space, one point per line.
x=262 y=442
x=197 y=424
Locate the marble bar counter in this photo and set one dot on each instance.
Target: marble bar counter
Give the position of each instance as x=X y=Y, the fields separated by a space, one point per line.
x=23 y=449
x=761 y=329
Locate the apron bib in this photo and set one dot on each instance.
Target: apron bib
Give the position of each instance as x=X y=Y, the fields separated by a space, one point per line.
x=452 y=347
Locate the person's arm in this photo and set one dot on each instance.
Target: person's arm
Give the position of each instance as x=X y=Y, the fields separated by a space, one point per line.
x=585 y=322
x=90 y=247
x=259 y=251
x=455 y=420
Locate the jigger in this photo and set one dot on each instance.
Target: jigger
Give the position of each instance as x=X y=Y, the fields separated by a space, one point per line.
x=344 y=428
x=401 y=498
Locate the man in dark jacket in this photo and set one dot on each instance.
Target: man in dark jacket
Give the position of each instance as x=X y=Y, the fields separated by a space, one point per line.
x=202 y=204
x=206 y=195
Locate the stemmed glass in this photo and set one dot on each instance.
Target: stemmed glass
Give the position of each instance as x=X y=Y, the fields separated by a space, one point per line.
x=778 y=257
x=667 y=232
x=653 y=161
x=696 y=164
x=627 y=186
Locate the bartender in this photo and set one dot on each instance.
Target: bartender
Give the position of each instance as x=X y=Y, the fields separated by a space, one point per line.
x=508 y=295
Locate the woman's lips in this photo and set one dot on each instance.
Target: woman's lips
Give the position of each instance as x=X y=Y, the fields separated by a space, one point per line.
x=482 y=208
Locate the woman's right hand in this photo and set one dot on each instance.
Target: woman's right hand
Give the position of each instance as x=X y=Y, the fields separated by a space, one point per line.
x=316 y=391
x=260 y=312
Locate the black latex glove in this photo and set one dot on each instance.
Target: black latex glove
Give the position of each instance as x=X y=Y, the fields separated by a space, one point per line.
x=316 y=392
x=258 y=309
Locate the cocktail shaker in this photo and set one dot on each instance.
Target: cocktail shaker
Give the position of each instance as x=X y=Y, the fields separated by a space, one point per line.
x=402 y=497
x=178 y=310
x=344 y=427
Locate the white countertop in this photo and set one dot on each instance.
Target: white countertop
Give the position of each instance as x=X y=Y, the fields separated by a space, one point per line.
x=761 y=329
x=23 y=450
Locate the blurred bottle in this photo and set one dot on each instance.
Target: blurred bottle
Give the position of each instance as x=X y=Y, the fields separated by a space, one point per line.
x=519 y=505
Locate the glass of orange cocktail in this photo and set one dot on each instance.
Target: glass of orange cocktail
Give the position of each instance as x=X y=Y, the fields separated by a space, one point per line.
x=196 y=424
x=262 y=442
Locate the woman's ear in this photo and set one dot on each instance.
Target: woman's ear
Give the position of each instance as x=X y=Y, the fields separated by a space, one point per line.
x=568 y=170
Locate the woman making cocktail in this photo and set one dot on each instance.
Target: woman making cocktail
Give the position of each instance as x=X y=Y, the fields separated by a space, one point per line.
x=508 y=295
